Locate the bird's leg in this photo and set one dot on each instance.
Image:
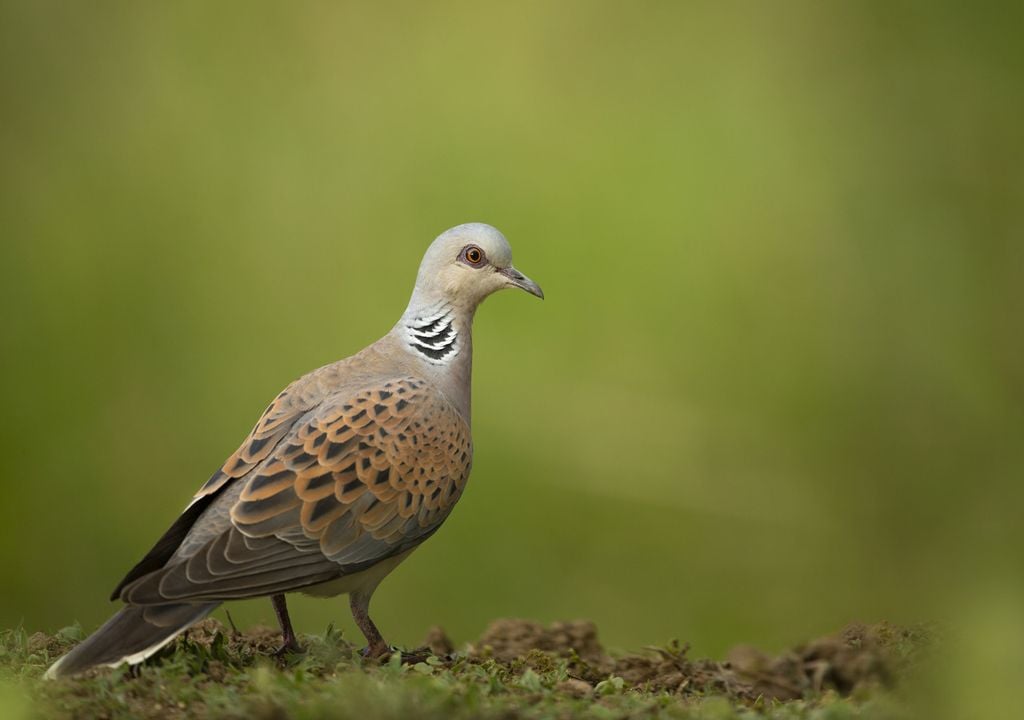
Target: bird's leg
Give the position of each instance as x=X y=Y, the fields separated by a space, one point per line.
x=291 y=643
x=359 y=602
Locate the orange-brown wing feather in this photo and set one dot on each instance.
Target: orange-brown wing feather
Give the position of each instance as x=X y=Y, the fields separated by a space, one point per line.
x=361 y=477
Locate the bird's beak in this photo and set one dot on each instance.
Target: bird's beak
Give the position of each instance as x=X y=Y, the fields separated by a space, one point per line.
x=521 y=281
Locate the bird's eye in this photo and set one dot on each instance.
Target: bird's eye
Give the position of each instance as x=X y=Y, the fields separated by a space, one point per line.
x=473 y=256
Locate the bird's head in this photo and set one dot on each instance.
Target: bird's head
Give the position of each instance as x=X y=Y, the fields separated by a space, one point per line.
x=466 y=264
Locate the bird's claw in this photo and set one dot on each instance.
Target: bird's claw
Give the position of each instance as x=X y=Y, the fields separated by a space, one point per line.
x=408 y=657
x=381 y=654
x=291 y=647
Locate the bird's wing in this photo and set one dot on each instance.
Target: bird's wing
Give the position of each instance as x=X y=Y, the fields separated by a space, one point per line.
x=277 y=420
x=358 y=479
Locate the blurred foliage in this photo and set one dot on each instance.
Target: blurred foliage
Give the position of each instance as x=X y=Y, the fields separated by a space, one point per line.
x=777 y=385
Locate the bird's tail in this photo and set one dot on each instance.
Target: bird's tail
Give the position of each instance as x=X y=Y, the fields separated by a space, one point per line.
x=131 y=636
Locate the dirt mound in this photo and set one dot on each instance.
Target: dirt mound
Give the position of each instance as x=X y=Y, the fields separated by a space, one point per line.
x=507 y=640
x=859 y=655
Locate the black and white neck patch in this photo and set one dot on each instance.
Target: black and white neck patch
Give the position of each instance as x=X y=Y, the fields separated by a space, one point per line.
x=434 y=336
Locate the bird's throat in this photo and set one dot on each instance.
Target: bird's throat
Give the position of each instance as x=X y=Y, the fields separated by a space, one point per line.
x=434 y=335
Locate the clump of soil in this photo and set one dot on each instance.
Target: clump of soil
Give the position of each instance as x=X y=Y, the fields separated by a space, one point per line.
x=51 y=645
x=858 y=656
x=255 y=642
x=507 y=640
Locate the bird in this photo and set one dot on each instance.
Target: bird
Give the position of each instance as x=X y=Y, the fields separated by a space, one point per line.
x=349 y=470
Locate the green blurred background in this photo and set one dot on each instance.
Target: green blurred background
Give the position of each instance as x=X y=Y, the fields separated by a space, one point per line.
x=777 y=384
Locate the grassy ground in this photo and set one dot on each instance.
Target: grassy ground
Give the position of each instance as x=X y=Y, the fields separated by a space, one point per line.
x=517 y=669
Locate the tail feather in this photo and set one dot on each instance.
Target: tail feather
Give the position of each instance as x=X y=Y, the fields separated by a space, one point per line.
x=130 y=636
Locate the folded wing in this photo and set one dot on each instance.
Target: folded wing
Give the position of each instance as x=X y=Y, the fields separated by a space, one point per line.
x=356 y=480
